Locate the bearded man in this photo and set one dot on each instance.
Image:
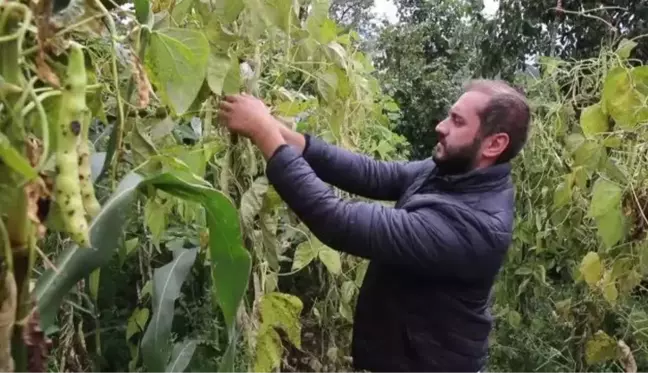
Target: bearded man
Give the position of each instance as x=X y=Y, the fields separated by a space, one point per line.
x=434 y=256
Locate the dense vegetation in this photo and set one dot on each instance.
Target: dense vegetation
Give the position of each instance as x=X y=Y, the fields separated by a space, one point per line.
x=138 y=235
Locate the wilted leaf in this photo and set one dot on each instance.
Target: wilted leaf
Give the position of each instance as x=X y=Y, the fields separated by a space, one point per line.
x=252 y=200
x=591 y=268
x=593 y=120
x=176 y=61
x=600 y=348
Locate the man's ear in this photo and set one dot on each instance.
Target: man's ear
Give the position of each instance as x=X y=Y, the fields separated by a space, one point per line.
x=495 y=145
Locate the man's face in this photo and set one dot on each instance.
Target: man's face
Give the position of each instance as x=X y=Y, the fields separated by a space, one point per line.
x=459 y=144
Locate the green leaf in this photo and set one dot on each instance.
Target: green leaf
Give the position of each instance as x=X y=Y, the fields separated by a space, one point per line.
x=232 y=82
x=231 y=262
x=304 y=254
x=331 y=259
x=606 y=196
x=593 y=120
x=611 y=227
x=600 y=348
x=10 y=156
x=181 y=356
x=218 y=67
x=76 y=263
x=591 y=268
x=137 y=322
x=227 y=11
x=625 y=48
x=142 y=11
x=176 y=62
x=277 y=310
x=514 y=319
x=563 y=192
x=167 y=283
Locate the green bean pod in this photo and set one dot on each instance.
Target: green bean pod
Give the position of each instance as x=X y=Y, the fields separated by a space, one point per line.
x=90 y=203
x=72 y=110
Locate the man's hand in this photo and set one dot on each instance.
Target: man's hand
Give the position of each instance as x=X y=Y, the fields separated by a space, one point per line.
x=249 y=117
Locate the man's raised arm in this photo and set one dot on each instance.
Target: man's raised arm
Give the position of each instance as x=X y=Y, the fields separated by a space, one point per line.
x=353 y=172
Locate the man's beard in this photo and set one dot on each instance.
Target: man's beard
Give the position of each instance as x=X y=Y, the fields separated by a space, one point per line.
x=458 y=160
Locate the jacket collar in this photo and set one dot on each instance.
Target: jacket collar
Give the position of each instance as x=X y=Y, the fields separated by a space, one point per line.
x=488 y=178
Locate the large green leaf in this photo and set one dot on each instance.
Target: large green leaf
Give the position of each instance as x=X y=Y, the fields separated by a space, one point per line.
x=230 y=261
x=176 y=62
x=167 y=283
x=76 y=263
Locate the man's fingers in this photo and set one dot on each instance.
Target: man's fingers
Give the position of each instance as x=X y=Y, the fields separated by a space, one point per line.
x=225 y=106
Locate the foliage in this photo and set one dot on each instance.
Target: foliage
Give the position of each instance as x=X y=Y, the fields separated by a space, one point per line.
x=424 y=60
x=186 y=215
x=571 y=292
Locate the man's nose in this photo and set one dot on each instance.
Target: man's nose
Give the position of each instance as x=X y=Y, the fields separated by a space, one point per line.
x=442 y=128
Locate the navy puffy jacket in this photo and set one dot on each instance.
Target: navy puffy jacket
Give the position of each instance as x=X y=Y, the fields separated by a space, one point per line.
x=434 y=256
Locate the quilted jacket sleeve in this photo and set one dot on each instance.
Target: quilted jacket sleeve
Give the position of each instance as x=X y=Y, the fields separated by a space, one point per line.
x=443 y=240
x=357 y=173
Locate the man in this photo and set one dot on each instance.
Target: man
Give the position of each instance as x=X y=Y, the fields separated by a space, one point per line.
x=424 y=303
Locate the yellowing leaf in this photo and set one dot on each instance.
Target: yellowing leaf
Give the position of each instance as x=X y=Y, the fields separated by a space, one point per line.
x=277 y=310
x=622 y=97
x=591 y=268
x=608 y=287
x=600 y=348
x=593 y=120
x=606 y=196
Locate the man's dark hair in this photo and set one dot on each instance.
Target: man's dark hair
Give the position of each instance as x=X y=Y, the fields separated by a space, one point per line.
x=507 y=111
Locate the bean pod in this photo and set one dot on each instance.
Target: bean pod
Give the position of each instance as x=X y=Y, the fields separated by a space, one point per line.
x=72 y=110
x=90 y=203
